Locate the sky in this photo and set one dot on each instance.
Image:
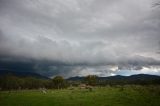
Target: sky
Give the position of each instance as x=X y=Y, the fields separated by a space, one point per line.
x=80 y=37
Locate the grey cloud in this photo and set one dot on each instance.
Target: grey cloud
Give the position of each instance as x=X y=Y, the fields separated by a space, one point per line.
x=89 y=32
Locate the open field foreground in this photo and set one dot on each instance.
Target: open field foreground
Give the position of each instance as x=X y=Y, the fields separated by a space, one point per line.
x=104 y=96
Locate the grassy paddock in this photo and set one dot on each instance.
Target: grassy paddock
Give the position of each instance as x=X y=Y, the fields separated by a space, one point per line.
x=100 y=96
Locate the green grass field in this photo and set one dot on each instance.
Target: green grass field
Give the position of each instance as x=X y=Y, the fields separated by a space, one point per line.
x=105 y=96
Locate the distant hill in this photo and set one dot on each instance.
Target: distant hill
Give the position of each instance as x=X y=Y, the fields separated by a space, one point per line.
x=76 y=78
x=22 y=74
x=119 y=77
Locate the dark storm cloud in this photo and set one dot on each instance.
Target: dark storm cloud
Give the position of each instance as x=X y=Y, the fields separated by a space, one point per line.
x=73 y=33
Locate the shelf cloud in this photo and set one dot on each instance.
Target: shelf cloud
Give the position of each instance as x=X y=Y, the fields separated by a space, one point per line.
x=73 y=37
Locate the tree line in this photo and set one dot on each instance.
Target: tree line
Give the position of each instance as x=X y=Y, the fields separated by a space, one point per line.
x=12 y=82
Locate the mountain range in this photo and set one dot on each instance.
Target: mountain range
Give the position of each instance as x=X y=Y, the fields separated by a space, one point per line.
x=120 y=77
x=78 y=78
x=22 y=74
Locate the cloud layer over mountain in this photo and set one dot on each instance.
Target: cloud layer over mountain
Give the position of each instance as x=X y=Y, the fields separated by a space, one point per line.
x=80 y=37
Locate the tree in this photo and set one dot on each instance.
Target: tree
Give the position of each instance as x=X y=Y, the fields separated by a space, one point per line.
x=91 y=80
x=58 y=82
